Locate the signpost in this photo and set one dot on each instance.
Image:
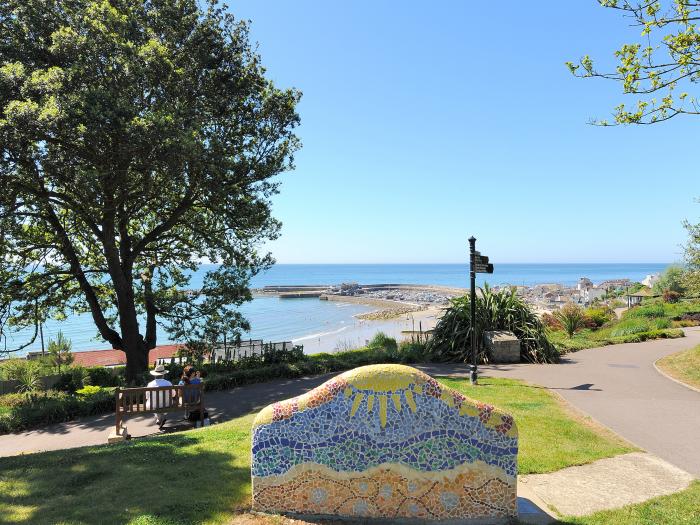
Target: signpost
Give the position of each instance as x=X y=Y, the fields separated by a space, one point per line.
x=477 y=264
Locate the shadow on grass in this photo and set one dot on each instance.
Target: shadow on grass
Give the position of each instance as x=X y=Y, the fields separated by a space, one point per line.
x=171 y=480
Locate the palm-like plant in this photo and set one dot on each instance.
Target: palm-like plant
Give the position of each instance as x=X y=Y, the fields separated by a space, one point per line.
x=572 y=318
x=502 y=310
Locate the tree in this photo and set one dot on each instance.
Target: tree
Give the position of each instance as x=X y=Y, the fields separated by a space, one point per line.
x=672 y=280
x=661 y=67
x=692 y=258
x=60 y=352
x=138 y=139
x=572 y=318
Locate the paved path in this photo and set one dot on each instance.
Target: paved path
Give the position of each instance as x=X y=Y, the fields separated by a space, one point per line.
x=617 y=385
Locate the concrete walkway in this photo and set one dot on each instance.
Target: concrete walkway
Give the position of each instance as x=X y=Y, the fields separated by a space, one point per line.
x=617 y=385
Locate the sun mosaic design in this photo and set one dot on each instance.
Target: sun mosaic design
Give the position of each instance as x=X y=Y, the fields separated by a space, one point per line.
x=385 y=441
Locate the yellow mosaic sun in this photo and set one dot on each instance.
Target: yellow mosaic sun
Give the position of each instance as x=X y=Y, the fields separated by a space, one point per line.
x=381 y=383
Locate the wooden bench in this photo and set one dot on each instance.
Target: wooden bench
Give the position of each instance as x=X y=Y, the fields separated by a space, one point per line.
x=155 y=400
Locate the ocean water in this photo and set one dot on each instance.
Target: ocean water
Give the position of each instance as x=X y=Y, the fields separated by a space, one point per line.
x=275 y=319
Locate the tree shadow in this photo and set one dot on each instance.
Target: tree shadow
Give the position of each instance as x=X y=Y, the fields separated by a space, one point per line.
x=167 y=480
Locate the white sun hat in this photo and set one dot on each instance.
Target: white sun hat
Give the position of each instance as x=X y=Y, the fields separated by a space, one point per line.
x=159 y=371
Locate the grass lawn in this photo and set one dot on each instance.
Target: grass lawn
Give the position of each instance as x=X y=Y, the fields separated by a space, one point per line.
x=203 y=476
x=684 y=366
x=682 y=508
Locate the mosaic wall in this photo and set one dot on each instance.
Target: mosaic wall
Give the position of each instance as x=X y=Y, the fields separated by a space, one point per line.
x=385 y=441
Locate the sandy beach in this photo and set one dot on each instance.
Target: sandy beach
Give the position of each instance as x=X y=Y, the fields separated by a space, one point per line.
x=359 y=333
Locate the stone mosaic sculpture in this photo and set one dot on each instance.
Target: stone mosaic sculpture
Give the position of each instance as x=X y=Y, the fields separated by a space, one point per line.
x=385 y=441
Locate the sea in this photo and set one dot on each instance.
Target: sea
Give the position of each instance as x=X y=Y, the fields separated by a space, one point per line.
x=299 y=320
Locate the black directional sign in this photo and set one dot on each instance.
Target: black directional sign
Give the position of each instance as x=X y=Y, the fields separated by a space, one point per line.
x=481 y=264
x=483 y=268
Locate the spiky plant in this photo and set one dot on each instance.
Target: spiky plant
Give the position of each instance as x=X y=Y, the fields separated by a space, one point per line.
x=501 y=310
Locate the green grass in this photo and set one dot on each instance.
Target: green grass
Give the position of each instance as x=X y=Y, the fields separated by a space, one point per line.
x=652 y=320
x=681 y=508
x=594 y=338
x=684 y=366
x=551 y=435
x=203 y=476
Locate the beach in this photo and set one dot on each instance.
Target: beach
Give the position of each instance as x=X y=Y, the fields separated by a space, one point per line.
x=360 y=332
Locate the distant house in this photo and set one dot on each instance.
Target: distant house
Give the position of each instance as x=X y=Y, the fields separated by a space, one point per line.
x=584 y=283
x=650 y=280
x=591 y=294
x=635 y=298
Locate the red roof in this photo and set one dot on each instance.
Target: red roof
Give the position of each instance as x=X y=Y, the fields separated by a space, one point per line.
x=115 y=357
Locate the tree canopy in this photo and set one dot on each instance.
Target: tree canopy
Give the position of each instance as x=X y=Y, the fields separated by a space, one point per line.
x=663 y=68
x=138 y=139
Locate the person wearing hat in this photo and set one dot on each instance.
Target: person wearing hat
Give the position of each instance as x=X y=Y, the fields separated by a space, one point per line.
x=159 y=399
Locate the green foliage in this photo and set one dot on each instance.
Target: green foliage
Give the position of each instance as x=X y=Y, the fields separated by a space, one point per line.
x=59 y=350
x=383 y=342
x=503 y=310
x=71 y=380
x=101 y=376
x=662 y=68
x=27 y=373
x=571 y=318
x=692 y=259
x=51 y=407
x=137 y=139
x=598 y=316
x=672 y=280
x=195 y=351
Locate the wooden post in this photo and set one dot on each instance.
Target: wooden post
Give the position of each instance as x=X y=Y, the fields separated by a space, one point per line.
x=117 y=413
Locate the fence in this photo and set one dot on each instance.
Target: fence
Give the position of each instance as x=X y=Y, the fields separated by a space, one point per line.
x=235 y=351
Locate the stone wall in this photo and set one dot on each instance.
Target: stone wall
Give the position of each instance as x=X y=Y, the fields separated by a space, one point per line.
x=385 y=441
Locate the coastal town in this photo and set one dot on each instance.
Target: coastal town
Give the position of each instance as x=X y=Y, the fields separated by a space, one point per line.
x=402 y=298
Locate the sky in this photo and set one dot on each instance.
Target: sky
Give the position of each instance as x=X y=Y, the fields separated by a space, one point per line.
x=426 y=122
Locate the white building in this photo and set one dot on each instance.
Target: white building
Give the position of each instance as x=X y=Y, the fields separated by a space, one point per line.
x=650 y=280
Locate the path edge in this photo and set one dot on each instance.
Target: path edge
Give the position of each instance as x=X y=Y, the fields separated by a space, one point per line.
x=668 y=376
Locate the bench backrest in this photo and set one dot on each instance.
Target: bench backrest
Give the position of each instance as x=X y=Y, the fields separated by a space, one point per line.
x=158 y=398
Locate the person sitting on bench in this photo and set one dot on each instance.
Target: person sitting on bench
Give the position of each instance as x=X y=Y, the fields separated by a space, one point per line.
x=190 y=377
x=159 y=399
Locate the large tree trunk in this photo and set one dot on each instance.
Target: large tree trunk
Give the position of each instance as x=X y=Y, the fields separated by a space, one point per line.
x=133 y=343
x=136 y=361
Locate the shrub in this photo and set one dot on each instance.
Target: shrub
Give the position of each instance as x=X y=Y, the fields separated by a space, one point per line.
x=599 y=316
x=551 y=322
x=383 y=342
x=502 y=310
x=672 y=280
x=571 y=317
x=51 y=407
x=72 y=379
x=101 y=376
x=671 y=297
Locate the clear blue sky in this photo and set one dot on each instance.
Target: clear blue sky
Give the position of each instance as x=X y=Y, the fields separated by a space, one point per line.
x=426 y=122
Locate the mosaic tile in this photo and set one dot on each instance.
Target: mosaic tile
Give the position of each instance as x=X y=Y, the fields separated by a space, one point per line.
x=385 y=441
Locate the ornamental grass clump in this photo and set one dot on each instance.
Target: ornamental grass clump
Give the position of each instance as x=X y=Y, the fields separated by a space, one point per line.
x=572 y=318
x=495 y=310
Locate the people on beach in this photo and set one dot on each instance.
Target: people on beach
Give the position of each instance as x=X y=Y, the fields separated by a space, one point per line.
x=160 y=399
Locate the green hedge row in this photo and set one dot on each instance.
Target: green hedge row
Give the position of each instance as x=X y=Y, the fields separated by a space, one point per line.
x=22 y=412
